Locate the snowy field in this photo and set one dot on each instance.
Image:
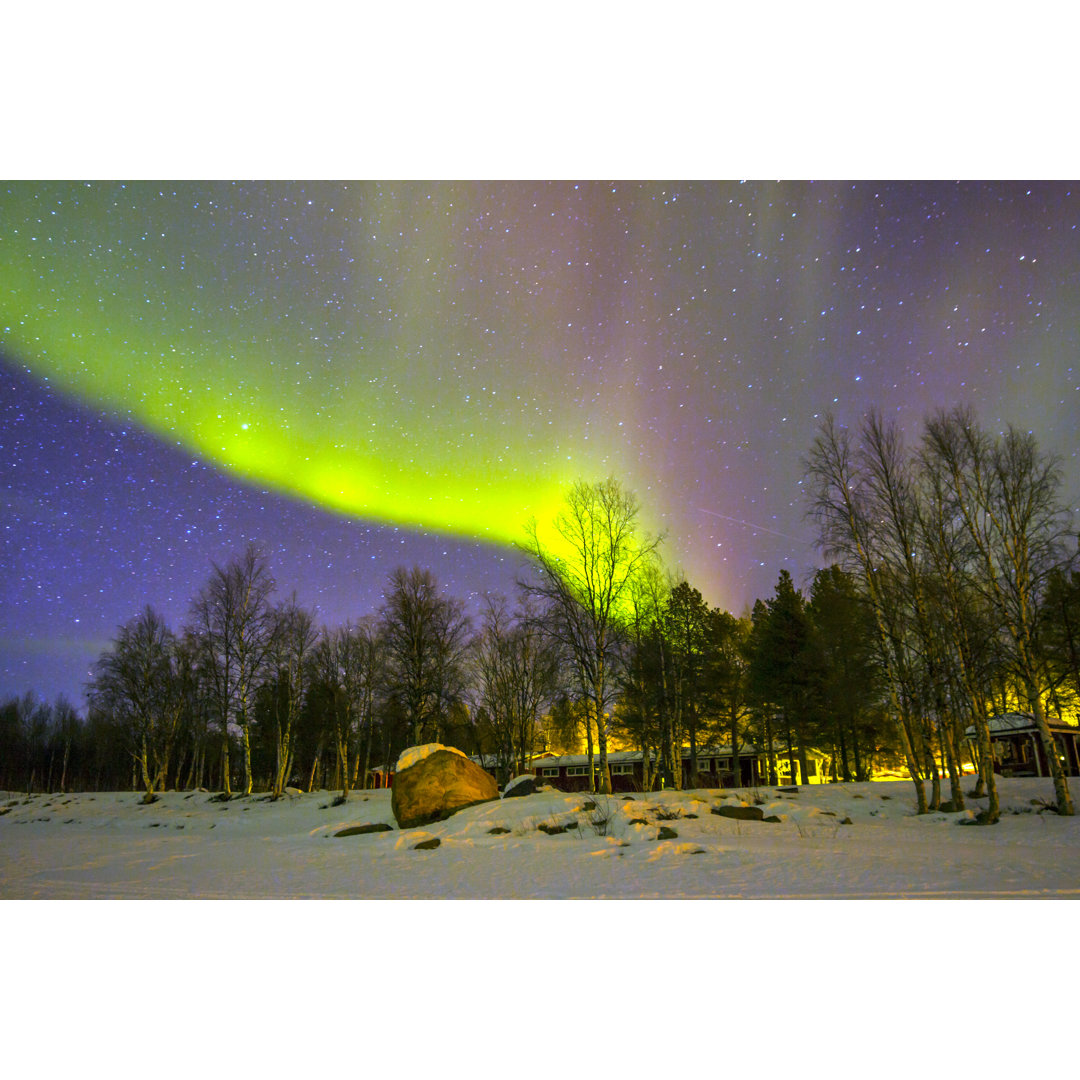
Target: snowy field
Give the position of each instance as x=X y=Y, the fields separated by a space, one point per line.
x=842 y=841
x=394 y=987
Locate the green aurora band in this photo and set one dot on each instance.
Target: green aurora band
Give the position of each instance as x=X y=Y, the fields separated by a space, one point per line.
x=294 y=348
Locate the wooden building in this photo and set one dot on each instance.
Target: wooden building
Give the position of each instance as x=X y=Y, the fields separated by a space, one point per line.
x=380 y=777
x=570 y=772
x=817 y=765
x=1018 y=747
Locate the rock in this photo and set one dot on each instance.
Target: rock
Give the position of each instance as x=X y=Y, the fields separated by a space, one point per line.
x=847 y=821
x=553 y=830
x=773 y=819
x=525 y=784
x=666 y=834
x=359 y=830
x=437 y=786
x=427 y=845
x=497 y=831
x=789 y=789
x=413 y=754
x=740 y=813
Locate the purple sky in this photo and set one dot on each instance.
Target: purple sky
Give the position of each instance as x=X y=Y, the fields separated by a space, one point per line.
x=685 y=336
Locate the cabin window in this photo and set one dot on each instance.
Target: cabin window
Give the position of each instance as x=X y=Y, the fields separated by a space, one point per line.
x=577 y=770
x=704 y=765
x=623 y=767
x=550 y=770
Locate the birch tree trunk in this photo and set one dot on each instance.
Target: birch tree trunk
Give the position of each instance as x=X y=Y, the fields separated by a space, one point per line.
x=1061 y=785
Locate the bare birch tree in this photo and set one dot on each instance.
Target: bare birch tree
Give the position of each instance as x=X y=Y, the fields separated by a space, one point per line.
x=136 y=681
x=292 y=645
x=585 y=577
x=233 y=621
x=426 y=635
x=970 y=632
x=841 y=497
x=1005 y=491
x=516 y=673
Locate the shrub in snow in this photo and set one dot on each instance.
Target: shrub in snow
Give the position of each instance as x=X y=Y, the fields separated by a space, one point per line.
x=601 y=815
x=408 y=758
x=553 y=828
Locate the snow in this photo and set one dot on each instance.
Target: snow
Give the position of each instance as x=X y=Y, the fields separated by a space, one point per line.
x=417 y=753
x=185 y=846
x=848 y=971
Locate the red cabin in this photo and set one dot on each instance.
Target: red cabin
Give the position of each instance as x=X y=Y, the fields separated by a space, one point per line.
x=1018 y=747
x=570 y=772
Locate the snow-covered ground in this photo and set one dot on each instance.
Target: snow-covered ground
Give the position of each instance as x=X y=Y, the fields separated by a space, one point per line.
x=611 y=987
x=842 y=841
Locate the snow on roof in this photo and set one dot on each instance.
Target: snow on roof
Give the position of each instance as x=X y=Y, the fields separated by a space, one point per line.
x=1020 y=723
x=1011 y=722
x=719 y=751
x=417 y=753
x=551 y=761
x=583 y=759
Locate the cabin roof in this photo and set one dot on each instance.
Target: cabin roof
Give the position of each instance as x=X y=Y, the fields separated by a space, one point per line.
x=616 y=757
x=1019 y=723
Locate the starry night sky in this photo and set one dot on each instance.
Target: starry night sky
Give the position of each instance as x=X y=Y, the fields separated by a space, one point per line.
x=366 y=375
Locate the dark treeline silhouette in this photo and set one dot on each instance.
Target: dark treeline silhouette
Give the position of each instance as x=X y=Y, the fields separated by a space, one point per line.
x=953 y=596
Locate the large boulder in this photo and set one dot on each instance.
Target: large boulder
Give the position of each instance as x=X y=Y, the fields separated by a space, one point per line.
x=438 y=785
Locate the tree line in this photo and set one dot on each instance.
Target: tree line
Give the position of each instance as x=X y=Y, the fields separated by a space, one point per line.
x=961 y=549
x=953 y=596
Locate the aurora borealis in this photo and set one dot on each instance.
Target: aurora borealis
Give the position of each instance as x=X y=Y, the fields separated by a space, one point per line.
x=363 y=375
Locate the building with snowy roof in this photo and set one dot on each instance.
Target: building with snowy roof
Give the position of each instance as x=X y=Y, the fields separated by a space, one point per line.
x=1018 y=747
x=715 y=768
